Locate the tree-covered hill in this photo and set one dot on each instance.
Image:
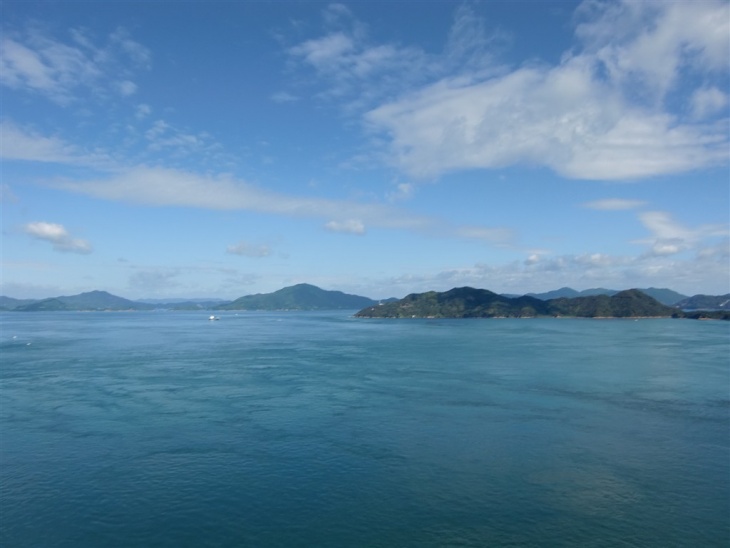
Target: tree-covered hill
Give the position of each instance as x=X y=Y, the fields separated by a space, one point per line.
x=631 y=303
x=467 y=302
x=462 y=302
x=299 y=297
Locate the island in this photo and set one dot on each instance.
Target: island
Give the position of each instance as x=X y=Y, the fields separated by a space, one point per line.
x=468 y=302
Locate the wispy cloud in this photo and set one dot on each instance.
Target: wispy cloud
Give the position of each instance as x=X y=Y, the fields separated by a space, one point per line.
x=246 y=249
x=669 y=237
x=7 y=196
x=57 y=235
x=707 y=102
x=359 y=71
x=142 y=111
x=600 y=113
x=27 y=145
x=499 y=236
x=351 y=226
x=59 y=69
x=170 y=187
x=164 y=136
x=284 y=97
x=614 y=204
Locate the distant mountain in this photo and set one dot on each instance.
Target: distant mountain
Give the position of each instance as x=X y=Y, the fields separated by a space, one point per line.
x=705 y=302
x=299 y=297
x=664 y=296
x=8 y=303
x=556 y=294
x=92 y=300
x=467 y=302
x=569 y=292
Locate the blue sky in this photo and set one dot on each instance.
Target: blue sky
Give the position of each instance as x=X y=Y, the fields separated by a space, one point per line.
x=219 y=149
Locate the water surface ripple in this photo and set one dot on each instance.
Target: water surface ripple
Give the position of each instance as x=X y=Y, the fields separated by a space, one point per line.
x=317 y=429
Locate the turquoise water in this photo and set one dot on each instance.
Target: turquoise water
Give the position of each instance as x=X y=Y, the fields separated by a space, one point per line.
x=318 y=429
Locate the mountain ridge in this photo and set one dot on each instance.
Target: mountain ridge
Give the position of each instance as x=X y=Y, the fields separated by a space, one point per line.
x=663 y=295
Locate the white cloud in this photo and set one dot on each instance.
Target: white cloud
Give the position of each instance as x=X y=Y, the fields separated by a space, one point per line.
x=163 y=136
x=558 y=117
x=708 y=102
x=284 y=97
x=614 y=204
x=499 y=236
x=327 y=53
x=18 y=143
x=669 y=237
x=600 y=113
x=143 y=110
x=158 y=186
x=351 y=226
x=360 y=72
x=249 y=250
x=37 y=62
x=661 y=224
x=646 y=45
x=126 y=88
x=403 y=191
x=7 y=196
x=57 y=235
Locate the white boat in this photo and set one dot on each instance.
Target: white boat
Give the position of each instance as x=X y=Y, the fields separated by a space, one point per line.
x=214 y=318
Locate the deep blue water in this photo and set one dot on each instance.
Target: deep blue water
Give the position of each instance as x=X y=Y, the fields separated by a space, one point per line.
x=318 y=429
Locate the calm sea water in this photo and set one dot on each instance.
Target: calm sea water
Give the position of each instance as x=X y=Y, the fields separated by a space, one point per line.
x=318 y=429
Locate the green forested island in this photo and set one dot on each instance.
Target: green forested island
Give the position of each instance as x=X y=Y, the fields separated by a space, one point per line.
x=468 y=302
x=299 y=297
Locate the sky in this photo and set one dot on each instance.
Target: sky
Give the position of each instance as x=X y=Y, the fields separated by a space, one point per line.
x=196 y=149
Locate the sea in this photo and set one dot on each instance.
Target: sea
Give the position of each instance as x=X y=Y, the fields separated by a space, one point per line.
x=318 y=429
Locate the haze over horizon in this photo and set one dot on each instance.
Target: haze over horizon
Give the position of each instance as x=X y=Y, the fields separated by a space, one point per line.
x=222 y=149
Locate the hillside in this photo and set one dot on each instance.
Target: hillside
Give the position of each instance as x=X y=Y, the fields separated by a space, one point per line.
x=467 y=302
x=299 y=297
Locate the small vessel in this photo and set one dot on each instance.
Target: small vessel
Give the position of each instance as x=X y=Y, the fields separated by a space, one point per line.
x=214 y=318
